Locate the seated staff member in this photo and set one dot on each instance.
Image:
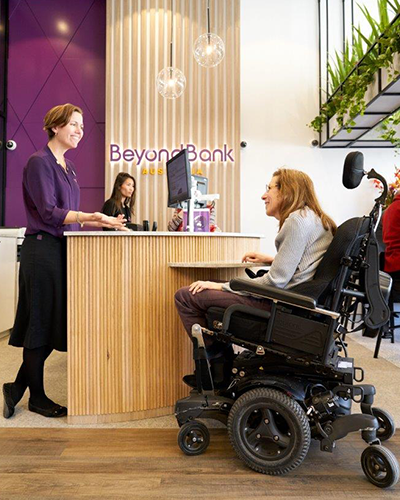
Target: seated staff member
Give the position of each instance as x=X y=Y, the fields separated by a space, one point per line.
x=176 y=223
x=123 y=196
x=305 y=232
x=51 y=199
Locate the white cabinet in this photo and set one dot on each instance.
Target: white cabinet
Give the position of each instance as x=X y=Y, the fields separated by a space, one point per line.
x=9 y=266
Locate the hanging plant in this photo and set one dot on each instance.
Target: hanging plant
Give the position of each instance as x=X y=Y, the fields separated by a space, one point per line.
x=354 y=71
x=387 y=129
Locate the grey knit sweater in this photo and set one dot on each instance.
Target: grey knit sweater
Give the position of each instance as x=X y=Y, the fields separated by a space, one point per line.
x=300 y=244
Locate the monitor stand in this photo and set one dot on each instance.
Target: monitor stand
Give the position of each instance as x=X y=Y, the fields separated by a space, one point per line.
x=190 y=210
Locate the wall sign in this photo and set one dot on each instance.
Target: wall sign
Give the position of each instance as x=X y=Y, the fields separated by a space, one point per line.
x=163 y=155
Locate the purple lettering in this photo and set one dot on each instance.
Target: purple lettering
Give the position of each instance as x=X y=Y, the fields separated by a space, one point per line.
x=191 y=148
x=128 y=155
x=114 y=149
x=228 y=154
x=176 y=151
x=147 y=155
x=163 y=151
x=139 y=156
x=218 y=151
x=161 y=155
x=207 y=153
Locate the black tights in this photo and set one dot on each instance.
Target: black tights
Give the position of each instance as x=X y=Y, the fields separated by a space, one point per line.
x=31 y=375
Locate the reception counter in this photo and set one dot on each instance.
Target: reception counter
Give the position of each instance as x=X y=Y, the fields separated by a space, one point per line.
x=127 y=350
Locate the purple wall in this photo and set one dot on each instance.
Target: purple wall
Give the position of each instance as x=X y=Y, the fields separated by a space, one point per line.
x=56 y=55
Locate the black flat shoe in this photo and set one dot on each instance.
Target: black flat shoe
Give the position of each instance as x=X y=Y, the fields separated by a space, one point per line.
x=8 y=402
x=54 y=412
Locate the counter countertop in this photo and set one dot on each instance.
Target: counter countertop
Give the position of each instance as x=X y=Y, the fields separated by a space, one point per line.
x=159 y=233
x=216 y=265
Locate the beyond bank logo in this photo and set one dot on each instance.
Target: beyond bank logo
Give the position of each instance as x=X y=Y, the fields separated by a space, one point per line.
x=163 y=155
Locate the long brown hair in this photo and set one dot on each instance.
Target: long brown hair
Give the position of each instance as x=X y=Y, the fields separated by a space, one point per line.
x=116 y=195
x=297 y=192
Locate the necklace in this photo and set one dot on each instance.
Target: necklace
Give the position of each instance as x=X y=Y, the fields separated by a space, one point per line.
x=62 y=163
x=59 y=161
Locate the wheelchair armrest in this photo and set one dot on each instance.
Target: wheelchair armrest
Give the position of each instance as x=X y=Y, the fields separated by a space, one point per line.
x=273 y=293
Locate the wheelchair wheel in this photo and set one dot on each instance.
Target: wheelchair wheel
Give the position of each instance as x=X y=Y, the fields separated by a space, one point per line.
x=380 y=466
x=269 y=431
x=387 y=426
x=193 y=438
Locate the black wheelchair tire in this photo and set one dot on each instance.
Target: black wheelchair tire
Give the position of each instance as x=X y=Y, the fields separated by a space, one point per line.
x=285 y=413
x=380 y=466
x=387 y=427
x=193 y=438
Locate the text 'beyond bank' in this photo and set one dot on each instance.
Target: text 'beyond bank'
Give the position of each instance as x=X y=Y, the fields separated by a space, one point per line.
x=163 y=155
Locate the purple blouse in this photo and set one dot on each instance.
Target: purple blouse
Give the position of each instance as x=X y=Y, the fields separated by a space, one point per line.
x=49 y=193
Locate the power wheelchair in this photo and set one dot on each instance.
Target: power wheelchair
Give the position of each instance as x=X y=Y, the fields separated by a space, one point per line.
x=294 y=380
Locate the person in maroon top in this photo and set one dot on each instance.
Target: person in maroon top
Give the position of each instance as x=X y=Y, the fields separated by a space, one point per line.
x=391 y=238
x=51 y=199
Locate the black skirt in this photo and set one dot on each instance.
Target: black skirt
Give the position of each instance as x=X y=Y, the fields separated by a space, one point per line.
x=41 y=318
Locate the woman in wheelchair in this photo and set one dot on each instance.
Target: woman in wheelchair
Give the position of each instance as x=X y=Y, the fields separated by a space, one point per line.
x=305 y=232
x=294 y=382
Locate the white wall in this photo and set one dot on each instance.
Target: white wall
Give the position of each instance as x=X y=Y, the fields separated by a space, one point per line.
x=279 y=96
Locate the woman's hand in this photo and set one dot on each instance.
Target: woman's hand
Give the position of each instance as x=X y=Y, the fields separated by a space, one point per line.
x=103 y=220
x=199 y=286
x=178 y=215
x=257 y=258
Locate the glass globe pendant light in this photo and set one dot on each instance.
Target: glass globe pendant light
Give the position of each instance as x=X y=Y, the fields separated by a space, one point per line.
x=209 y=49
x=171 y=82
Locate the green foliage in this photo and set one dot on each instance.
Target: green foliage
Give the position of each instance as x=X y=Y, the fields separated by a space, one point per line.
x=387 y=129
x=352 y=71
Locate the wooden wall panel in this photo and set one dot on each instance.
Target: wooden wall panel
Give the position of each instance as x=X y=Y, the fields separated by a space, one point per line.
x=207 y=114
x=127 y=349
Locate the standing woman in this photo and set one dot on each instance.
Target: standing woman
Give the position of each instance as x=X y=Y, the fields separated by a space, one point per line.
x=51 y=199
x=123 y=196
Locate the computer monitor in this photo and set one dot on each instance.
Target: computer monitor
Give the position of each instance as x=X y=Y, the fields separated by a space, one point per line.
x=179 y=179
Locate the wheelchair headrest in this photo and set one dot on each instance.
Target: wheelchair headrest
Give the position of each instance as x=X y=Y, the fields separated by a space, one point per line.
x=353 y=170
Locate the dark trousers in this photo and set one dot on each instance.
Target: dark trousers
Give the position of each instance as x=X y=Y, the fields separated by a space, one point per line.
x=192 y=309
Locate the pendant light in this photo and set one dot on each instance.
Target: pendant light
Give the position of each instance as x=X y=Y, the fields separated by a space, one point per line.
x=209 y=49
x=171 y=82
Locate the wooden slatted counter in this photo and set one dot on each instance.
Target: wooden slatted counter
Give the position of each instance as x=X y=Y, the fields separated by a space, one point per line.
x=127 y=350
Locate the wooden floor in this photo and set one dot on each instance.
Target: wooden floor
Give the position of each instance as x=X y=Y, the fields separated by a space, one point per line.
x=147 y=464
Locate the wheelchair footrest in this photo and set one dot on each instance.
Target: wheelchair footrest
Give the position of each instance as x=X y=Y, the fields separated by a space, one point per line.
x=202 y=406
x=344 y=425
